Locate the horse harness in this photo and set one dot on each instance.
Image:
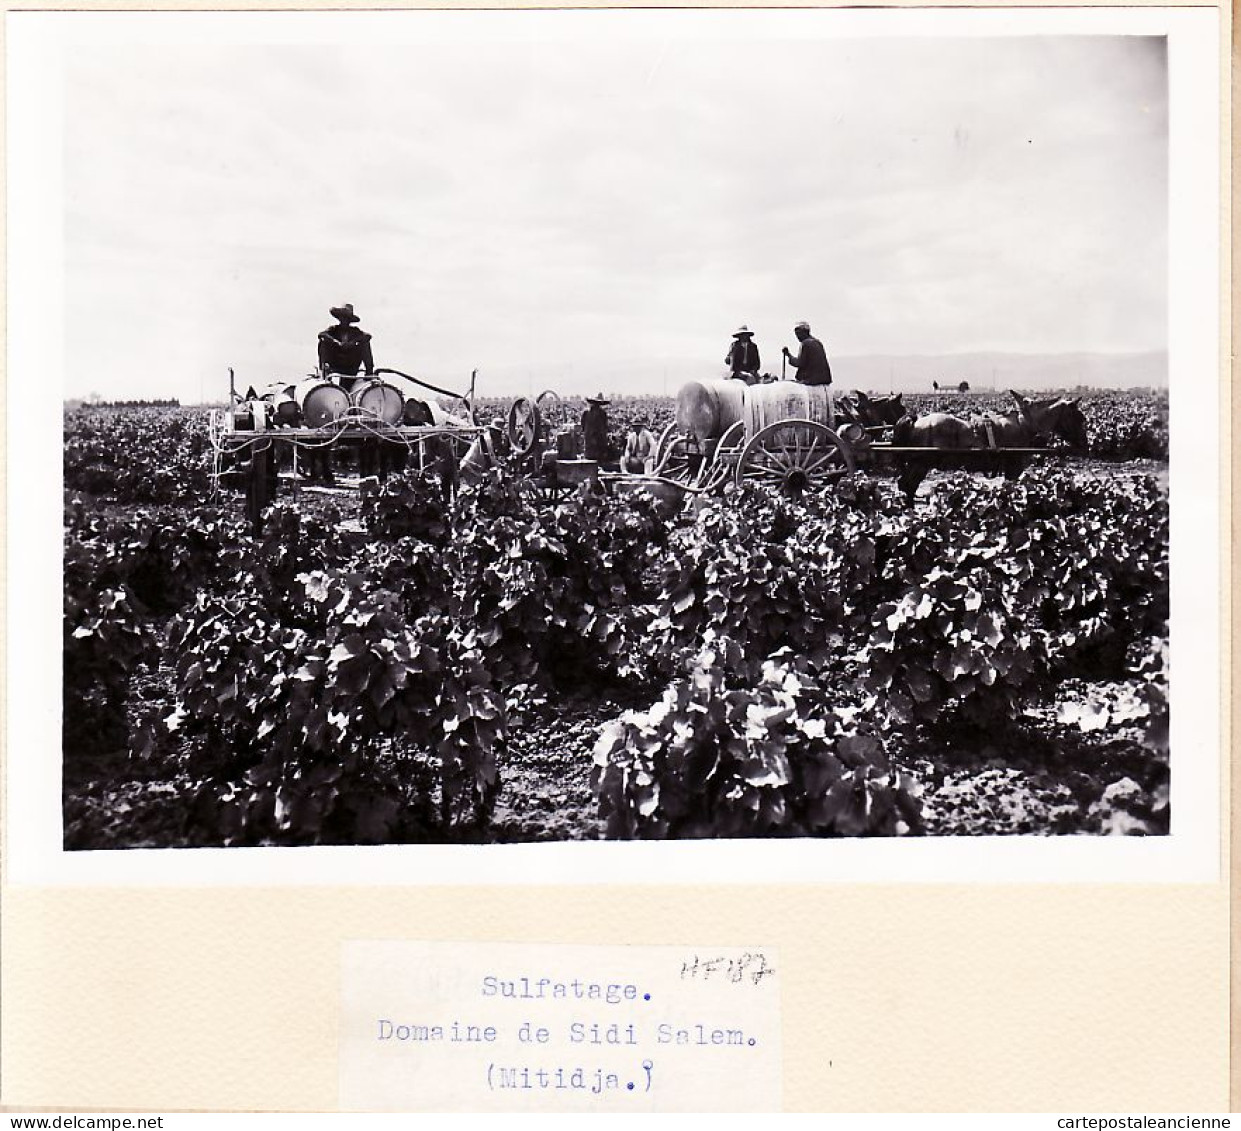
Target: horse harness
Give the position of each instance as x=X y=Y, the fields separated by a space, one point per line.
x=984 y=429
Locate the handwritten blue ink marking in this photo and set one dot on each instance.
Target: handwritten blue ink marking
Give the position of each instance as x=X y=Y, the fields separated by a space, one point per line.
x=630 y=1085
x=646 y=997
x=753 y=1041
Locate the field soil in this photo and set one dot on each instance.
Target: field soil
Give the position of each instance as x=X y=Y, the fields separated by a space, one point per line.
x=1050 y=777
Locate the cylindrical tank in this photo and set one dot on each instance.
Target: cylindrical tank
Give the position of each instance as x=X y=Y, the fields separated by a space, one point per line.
x=787 y=400
x=379 y=399
x=422 y=406
x=707 y=409
x=321 y=402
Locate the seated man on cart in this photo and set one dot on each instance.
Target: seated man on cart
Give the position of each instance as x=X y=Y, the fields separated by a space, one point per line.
x=811 y=360
x=742 y=357
x=639 y=455
x=344 y=350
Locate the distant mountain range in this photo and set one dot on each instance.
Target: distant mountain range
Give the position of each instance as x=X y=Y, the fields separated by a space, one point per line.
x=872 y=372
x=984 y=371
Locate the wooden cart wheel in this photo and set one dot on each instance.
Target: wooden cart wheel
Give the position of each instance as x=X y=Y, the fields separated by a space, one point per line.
x=553 y=412
x=664 y=443
x=795 y=456
x=723 y=463
x=677 y=457
x=524 y=426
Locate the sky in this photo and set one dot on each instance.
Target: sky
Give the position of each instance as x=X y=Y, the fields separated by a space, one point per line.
x=590 y=209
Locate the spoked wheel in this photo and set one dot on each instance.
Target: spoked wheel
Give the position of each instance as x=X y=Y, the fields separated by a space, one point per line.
x=553 y=412
x=722 y=466
x=524 y=425
x=678 y=457
x=795 y=456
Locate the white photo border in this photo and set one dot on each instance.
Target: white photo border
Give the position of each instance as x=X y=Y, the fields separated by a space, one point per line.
x=1192 y=852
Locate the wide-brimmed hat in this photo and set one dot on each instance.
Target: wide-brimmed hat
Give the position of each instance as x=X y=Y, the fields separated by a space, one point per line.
x=743 y=331
x=345 y=313
x=599 y=399
x=803 y=326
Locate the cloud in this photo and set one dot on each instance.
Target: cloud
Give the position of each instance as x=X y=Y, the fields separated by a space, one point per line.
x=518 y=203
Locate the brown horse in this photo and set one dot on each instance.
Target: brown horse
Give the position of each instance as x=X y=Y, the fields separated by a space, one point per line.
x=872 y=412
x=1027 y=427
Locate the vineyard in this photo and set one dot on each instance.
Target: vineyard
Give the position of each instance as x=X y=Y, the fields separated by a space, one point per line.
x=388 y=665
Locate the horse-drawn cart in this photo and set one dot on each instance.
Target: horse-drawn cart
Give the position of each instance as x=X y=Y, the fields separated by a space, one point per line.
x=793 y=437
x=801 y=438
x=785 y=434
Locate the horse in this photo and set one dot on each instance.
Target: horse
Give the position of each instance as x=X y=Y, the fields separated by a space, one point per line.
x=1027 y=427
x=879 y=412
x=871 y=412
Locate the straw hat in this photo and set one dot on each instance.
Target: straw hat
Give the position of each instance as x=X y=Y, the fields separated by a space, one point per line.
x=743 y=332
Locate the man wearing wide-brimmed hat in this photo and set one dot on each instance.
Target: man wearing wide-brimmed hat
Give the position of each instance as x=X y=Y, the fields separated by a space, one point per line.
x=344 y=348
x=595 y=442
x=742 y=357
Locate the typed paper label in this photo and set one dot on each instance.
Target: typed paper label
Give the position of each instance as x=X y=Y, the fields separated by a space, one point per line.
x=530 y=1027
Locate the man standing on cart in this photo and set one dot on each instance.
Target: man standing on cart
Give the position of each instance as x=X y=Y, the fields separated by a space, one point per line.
x=811 y=360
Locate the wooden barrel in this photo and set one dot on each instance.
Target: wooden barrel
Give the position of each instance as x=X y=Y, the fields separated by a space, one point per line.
x=379 y=399
x=321 y=402
x=707 y=409
x=422 y=405
x=787 y=400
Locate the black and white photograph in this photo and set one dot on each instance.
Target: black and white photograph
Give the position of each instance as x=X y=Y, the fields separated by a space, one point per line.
x=500 y=428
